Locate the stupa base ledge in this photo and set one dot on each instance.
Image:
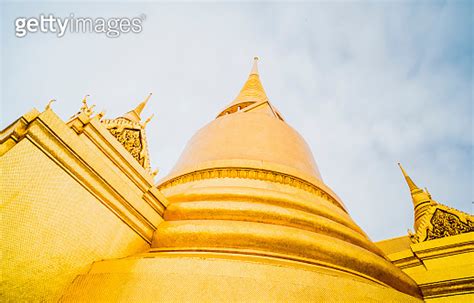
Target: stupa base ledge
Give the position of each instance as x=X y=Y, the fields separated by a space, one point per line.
x=215 y=277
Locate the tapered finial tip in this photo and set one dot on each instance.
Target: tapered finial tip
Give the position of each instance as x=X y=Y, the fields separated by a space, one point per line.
x=254 y=70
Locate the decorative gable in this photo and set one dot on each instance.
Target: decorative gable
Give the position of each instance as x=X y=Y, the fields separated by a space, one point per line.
x=441 y=221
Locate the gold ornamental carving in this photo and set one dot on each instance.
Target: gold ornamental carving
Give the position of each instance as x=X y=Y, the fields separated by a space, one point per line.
x=129 y=130
x=445 y=224
x=251 y=173
x=131 y=140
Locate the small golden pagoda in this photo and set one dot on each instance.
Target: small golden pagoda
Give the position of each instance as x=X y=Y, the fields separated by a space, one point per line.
x=439 y=255
x=244 y=216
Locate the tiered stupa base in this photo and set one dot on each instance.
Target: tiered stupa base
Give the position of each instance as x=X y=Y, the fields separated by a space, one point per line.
x=217 y=277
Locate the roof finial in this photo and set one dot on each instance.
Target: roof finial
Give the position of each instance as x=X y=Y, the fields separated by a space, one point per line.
x=134 y=114
x=254 y=70
x=86 y=109
x=100 y=115
x=148 y=120
x=48 y=106
x=410 y=183
x=84 y=103
x=142 y=105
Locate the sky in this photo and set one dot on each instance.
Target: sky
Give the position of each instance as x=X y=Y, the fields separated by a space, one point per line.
x=366 y=83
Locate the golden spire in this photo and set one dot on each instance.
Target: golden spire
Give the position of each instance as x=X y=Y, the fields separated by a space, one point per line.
x=252 y=92
x=134 y=115
x=253 y=89
x=142 y=105
x=254 y=70
x=421 y=199
x=410 y=183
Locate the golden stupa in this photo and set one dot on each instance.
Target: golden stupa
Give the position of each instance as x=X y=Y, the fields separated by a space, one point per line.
x=244 y=216
x=249 y=218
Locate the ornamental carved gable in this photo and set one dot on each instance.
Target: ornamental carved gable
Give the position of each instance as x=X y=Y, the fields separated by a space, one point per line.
x=445 y=224
x=441 y=221
x=131 y=140
x=132 y=136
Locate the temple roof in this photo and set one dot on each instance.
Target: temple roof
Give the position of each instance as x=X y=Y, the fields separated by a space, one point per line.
x=434 y=220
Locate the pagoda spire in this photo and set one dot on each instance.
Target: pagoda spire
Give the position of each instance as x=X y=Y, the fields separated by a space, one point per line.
x=409 y=181
x=252 y=91
x=252 y=97
x=134 y=114
x=421 y=198
x=254 y=70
